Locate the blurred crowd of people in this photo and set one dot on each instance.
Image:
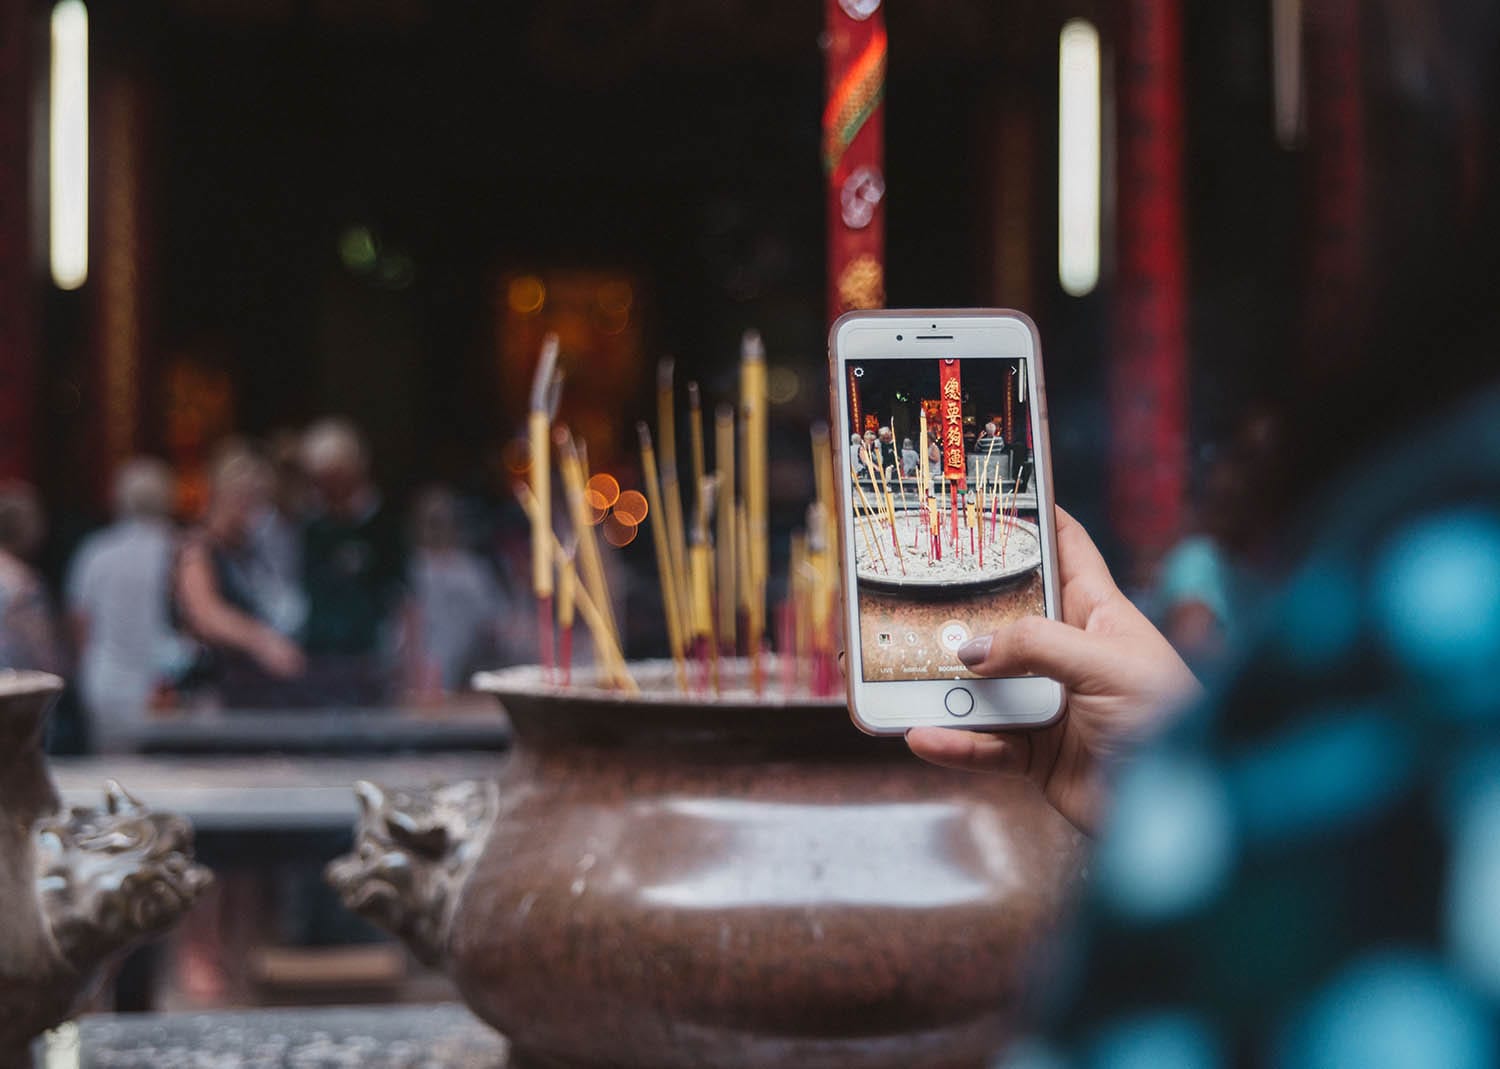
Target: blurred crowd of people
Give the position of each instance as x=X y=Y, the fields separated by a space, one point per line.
x=878 y=448
x=297 y=587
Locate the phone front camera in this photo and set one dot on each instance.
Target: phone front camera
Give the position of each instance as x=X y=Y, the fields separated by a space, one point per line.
x=898 y=337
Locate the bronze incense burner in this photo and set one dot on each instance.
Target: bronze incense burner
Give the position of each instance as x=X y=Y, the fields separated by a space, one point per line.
x=676 y=881
x=79 y=887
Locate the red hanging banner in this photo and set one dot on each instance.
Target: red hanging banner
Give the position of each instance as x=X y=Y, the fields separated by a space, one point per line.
x=955 y=464
x=853 y=147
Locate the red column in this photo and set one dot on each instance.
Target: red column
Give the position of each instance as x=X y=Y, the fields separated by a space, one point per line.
x=1148 y=388
x=853 y=154
x=18 y=283
x=1335 y=280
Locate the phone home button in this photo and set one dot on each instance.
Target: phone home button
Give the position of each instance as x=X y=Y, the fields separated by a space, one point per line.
x=958 y=702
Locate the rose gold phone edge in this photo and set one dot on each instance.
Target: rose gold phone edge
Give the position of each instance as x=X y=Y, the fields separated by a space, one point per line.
x=1047 y=519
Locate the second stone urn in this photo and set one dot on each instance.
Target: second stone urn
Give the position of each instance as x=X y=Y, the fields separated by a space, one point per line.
x=670 y=881
x=78 y=887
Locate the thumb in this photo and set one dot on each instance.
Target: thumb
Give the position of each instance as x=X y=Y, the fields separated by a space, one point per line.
x=1036 y=645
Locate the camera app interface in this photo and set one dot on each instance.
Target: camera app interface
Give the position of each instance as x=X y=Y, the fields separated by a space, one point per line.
x=944 y=500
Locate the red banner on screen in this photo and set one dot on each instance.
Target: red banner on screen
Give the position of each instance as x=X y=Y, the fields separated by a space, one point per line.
x=951 y=400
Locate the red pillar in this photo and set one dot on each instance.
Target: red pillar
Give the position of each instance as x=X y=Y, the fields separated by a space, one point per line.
x=18 y=282
x=1148 y=388
x=853 y=153
x=1336 y=234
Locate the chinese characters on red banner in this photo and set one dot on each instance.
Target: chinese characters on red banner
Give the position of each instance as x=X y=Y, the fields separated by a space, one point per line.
x=951 y=399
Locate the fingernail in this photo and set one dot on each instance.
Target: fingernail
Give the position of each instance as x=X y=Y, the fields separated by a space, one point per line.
x=975 y=650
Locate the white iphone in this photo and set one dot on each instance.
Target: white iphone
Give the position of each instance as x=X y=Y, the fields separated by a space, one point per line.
x=947 y=530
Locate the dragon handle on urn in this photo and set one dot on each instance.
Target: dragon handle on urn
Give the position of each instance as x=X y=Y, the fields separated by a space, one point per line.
x=107 y=878
x=413 y=852
x=79 y=887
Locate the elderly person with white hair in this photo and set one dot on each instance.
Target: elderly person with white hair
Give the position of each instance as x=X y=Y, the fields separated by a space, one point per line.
x=353 y=570
x=118 y=591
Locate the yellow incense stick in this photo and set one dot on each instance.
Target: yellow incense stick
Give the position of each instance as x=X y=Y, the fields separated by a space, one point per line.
x=671 y=600
x=753 y=620
x=753 y=414
x=869 y=512
x=797 y=592
x=538 y=424
x=601 y=594
x=695 y=435
x=864 y=529
x=591 y=564
x=700 y=563
x=889 y=506
x=822 y=467
x=724 y=463
x=611 y=657
x=666 y=423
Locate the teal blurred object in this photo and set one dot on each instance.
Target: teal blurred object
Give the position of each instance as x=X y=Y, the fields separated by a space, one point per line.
x=1305 y=872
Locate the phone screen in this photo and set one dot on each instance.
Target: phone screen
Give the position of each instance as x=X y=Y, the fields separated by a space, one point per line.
x=943 y=491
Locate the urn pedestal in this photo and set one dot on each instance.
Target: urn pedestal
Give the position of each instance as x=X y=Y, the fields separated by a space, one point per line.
x=669 y=881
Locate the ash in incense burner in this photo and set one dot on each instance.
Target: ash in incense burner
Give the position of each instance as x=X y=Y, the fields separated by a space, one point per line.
x=1017 y=554
x=666 y=880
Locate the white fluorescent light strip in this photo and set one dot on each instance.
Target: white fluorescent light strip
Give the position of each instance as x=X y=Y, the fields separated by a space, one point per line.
x=69 y=144
x=1286 y=70
x=1078 y=156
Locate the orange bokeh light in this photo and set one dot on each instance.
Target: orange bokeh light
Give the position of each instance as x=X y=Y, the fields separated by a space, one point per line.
x=631 y=508
x=617 y=533
x=602 y=491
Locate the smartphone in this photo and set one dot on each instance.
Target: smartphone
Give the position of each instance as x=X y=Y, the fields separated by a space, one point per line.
x=946 y=525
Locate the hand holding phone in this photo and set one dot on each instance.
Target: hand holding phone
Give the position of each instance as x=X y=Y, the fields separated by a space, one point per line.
x=1122 y=675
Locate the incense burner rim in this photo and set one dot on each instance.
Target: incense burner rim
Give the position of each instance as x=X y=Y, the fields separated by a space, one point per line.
x=28 y=681
x=529 y=681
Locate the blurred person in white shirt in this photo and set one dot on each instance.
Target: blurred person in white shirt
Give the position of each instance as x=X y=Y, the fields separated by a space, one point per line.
x=117 y=600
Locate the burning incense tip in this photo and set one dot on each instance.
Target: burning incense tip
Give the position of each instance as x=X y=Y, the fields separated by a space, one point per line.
x=751 y=347
x=664 y=369
x=644 y=431
x=693 y=398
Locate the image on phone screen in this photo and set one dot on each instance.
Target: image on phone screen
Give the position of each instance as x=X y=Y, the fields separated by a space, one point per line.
x=944 y=498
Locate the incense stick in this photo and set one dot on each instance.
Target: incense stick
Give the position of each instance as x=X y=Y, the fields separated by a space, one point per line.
x=671 y=600
x=873 y=533
x=567 y=586
x=753 y=409
x=753 y=621
x=695 y=436
x=672 y=514
x=592 y=564
x=700 y=575
x=539 y=420
x=610 y=654
x=724 y=464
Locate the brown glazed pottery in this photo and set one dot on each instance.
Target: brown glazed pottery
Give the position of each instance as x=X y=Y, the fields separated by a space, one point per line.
x=675 y=882
x=78 y=888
